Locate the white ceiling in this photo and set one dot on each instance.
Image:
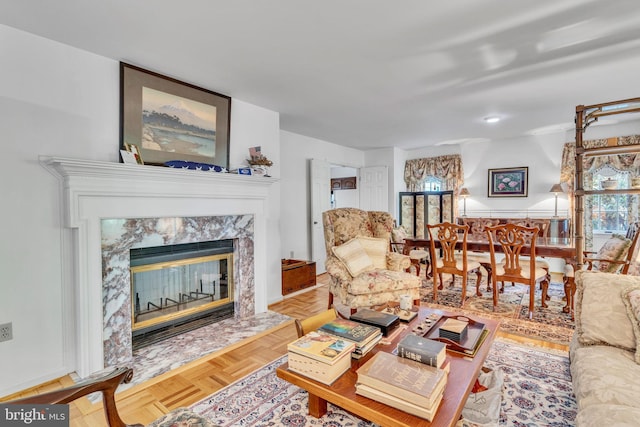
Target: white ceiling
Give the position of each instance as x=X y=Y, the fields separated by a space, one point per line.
x=370 y=73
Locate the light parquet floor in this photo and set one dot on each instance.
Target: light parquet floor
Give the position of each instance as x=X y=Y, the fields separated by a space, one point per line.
x=184 y=386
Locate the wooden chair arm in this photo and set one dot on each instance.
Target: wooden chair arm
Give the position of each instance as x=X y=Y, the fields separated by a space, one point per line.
x=106 y=384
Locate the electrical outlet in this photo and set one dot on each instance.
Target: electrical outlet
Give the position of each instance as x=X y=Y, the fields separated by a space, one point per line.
x=6 y=332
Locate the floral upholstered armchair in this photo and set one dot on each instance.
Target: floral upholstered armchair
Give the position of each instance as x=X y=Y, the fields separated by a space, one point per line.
x=362 y=269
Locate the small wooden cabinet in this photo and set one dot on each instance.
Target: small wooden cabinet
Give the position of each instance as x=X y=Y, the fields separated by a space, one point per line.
x=348 y=183
x=297 y=275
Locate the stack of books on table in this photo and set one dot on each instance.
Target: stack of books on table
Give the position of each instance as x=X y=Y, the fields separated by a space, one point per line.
x=404 y=384
x=365 y=337
x=320 y=356
x=423 y=350
x=454 y=329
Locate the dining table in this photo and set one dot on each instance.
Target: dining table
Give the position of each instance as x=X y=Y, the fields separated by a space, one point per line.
x=547 y=247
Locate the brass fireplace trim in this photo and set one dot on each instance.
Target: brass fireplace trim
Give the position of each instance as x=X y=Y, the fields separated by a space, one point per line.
x=189 y=311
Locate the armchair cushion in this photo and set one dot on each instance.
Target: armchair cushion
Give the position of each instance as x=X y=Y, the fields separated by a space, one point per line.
x=631 y=299
x=598 y=326
x=376 y=248
x=614 y=249
x=353 y=256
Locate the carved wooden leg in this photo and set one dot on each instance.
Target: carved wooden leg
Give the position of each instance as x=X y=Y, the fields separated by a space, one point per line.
x=532 y=295
x=478 y=280
x=487 y=267
x=495 y=292
x=440 y=282
x=464 y=287
x=544 y=284
x=435 y=288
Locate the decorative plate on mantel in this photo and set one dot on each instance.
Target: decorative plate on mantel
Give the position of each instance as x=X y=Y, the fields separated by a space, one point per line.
x=183 y=164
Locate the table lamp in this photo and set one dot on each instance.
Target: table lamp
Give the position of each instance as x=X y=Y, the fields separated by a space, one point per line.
x=464 y=193
x=556 y=189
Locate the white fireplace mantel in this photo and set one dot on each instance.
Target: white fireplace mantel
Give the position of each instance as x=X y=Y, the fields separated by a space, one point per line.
x=93 y=190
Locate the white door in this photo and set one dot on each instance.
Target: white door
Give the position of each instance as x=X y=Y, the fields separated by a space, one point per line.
x=320 y=202
x=374 y=189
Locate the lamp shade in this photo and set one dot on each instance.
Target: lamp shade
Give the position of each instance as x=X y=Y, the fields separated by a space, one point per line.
x=464 y=192
x=556 y=188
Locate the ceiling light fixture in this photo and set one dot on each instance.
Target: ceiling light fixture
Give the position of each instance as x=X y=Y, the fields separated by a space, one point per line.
x=492 y=119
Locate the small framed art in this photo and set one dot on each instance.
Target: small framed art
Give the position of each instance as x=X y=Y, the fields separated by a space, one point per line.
x=508 y=182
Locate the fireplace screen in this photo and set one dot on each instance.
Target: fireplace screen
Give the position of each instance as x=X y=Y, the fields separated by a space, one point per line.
x=173 y=284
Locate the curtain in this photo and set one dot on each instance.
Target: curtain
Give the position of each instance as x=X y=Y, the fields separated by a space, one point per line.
x=592 y=164
x=448 y=168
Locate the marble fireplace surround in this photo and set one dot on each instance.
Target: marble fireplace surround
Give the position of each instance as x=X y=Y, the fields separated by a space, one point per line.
x=111 y=207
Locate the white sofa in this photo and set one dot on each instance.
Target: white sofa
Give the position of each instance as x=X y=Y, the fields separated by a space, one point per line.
x=605 y=350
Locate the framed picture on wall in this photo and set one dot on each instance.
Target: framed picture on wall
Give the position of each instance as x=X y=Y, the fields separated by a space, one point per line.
x=172 y=120
x=508 y=182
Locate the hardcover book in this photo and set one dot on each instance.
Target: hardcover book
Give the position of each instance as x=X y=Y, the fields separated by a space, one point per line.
x=386 y=322
x=351 y=330
x=454 y=329
x=422 y=350
x=403 y=405
x=322 y=347
x=403 y=378
x=316 y=370
x=361 y=351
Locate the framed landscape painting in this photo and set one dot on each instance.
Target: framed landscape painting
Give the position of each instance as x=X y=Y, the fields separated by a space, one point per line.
x=167 y=119
x=508 y=182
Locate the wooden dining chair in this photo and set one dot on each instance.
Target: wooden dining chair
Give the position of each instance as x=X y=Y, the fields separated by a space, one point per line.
x=451 y=240
x=511 y=240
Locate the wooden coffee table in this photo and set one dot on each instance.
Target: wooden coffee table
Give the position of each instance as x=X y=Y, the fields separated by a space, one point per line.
x=342 y=393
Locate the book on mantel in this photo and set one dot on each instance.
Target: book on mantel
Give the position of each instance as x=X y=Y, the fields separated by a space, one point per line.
x=403 y=378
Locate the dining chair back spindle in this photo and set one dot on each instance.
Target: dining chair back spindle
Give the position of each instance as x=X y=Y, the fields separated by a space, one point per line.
x=512 y=239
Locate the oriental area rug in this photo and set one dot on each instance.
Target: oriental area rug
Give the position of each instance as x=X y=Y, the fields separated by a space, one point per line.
x=536 y=391
x=549 y=324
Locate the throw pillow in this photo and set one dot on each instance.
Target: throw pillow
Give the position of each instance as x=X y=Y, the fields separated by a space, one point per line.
x=376 y=249
x=353 y=256
x=631 y=298
x=615 y=249
x=601 y=315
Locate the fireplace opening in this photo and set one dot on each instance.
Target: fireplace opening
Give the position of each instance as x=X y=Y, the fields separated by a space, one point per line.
x=177 y=288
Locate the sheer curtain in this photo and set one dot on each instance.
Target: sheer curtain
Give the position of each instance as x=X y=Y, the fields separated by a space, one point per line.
x=448 y=168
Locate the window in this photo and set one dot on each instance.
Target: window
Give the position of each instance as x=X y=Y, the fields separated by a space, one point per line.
x=610 y=212
x=431 y=183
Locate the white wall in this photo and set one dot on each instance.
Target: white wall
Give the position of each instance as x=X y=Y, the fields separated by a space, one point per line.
x=60 y=101
x=296 y=151
x=541 y=154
